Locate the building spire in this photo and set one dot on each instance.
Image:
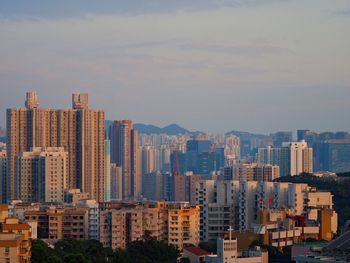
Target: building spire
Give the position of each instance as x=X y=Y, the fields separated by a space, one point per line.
x=31 y=100
x=230 y=229
x=80 y=101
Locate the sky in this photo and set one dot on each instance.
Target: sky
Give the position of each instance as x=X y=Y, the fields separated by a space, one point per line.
x=210 y=65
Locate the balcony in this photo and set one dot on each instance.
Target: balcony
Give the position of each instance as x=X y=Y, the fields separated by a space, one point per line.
x=23 y=251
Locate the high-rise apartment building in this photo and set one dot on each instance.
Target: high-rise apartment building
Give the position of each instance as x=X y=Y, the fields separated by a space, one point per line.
x=41 y=175
x=165 y=154
x=3 y=169
x=269 y=155
x=150 y=159
x=153 y=186
x=234 y=203
x=79 y=130
x=107 y=167
x=194 y=148
x=116 y=182
x=252 y=172
x=335 y=155
x=183 y=222
x=300 y=157
x=280 y=137
x=124 y=153
x=293 y=158
x=170 y=187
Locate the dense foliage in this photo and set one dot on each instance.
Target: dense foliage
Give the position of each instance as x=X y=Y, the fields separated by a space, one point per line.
x=339 y=187
x=91 y=251
x=211 y=247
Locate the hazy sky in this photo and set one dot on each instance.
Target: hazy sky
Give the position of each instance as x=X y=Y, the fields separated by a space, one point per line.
x=212 y=65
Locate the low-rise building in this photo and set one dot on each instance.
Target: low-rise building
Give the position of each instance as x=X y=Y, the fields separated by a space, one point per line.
x=14 y=248
x=280 y=228
x=195 y=254
x=225 y=203
x=176 y=223
x=15 y=244
x=74 y=196
x=227 y=252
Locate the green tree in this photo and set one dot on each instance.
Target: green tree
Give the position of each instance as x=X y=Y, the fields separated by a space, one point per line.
x=211 y=247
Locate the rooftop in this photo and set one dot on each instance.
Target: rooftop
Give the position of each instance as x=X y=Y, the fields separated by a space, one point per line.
x=197 y=251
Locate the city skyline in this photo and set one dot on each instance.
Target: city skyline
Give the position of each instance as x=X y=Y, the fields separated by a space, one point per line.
x=179 y=126
x=259 y=66
x=174 y=131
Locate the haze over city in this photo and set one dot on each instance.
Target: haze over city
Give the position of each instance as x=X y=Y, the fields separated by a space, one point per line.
x=174 y=131
x=214 y=66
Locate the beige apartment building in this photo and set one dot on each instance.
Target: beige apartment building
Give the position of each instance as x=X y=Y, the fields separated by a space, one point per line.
x=80 y=131
x=41 y=174
x=60 y=222
x=255 y=172
x=183 y=224
x=175 y=223
x=124 y=153
x=3 y=169
x=119 y=227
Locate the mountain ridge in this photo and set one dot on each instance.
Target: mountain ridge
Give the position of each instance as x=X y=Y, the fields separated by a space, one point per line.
x=171 y=129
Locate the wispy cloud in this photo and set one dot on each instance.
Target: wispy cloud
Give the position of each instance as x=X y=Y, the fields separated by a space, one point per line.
x=344 y=12
x=237 y=59
x=17 y=9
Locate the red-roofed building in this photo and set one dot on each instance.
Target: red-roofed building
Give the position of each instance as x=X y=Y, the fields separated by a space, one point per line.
x=195 y=254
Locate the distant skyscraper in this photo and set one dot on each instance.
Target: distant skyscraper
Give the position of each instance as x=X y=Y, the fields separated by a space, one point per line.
x=301 y=134
x=232 y=147
x=335 y=155
x=124 y=153
x=194 y=148
x=152 y=186
x=116 y=182
x=165 y=154
x=150 y=159
x=293 y=158
x=300 y=157
x=181 y=159
x=253 y=172
x=281 y=137
x=79 y=130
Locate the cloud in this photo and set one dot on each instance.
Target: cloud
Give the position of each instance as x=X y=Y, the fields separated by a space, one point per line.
x=344 y=12
x=18 y=9
x=207 y=64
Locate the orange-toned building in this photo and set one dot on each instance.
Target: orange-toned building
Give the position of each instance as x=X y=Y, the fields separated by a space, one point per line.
x=176 y=223
x=80 y=131
x=183 y=224
x=60 y=222
x=15 y=245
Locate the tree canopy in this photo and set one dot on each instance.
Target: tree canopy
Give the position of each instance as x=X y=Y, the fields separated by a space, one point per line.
x=92 y=251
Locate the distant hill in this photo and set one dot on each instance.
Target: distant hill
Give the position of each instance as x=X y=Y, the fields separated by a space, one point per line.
x=246 y=134
x=172 y=129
